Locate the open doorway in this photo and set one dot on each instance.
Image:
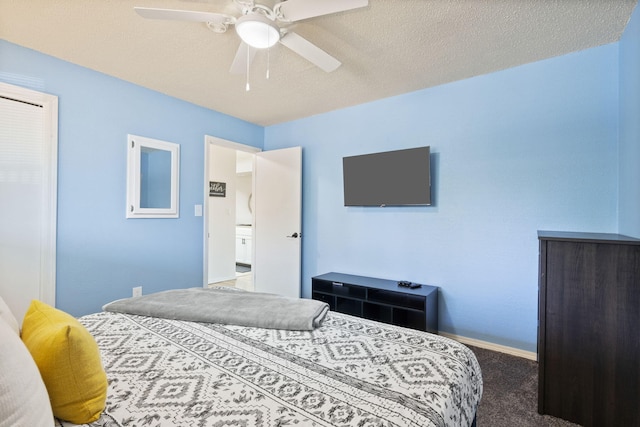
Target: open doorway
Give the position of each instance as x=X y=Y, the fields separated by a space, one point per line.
x=229 y=213
x=276 y=201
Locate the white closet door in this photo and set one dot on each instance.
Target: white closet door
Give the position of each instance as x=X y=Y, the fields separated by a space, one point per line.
x=27 y=204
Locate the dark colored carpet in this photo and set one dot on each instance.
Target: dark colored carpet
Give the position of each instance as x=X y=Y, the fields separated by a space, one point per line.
x=510 y=397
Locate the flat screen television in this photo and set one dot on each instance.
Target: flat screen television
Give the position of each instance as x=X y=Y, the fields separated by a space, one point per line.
x=390 y=178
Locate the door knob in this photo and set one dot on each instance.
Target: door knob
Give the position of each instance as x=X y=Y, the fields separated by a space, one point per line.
x=295 y=236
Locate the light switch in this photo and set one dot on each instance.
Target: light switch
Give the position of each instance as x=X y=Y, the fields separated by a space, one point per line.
x=198 y=210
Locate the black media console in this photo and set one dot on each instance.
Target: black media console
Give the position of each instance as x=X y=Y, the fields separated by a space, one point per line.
x=379 y=299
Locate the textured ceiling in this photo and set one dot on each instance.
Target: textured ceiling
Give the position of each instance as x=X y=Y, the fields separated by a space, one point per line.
x=388 y=48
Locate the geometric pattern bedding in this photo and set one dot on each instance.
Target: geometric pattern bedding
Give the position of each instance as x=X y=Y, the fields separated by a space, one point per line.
x=348 y=372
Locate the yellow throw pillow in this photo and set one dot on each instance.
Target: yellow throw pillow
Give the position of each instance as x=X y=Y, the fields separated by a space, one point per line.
x=69 y=361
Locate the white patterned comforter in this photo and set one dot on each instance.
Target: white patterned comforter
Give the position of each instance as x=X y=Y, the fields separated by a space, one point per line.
x=349 y=372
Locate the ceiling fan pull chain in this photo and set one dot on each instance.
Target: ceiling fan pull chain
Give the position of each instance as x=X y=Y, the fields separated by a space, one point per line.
x=268 y=52
x=248 y=88
x=268 y=62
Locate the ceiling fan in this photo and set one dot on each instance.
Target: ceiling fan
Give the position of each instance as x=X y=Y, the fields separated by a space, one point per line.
x=260 y=27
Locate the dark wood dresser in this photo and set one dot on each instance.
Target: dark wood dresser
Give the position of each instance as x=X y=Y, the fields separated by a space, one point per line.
x=589 y=328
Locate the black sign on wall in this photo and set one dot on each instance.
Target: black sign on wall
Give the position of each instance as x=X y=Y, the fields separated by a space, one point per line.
x=217 y=189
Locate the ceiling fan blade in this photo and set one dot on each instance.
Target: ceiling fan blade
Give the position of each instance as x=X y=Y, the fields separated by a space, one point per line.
x=310 y=52
x=177 y=15
x=296 y=10
x=241 y=60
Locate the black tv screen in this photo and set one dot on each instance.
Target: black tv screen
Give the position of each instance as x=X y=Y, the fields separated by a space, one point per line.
x=391 y=178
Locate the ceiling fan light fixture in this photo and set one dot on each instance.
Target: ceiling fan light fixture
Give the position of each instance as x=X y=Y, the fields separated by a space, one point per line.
x=257 y=31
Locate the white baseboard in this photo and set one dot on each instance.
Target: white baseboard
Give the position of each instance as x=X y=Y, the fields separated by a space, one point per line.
x=531 y=355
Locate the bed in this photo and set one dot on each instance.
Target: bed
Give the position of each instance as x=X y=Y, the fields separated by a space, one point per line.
x=347 y=372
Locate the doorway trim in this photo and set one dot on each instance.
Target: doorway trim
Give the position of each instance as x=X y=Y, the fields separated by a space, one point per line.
x=49 y=200
x=208 y=141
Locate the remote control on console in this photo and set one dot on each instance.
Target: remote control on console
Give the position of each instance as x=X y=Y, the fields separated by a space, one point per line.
x=407 y=284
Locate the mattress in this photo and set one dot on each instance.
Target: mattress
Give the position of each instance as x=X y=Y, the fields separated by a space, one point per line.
x=348 y=372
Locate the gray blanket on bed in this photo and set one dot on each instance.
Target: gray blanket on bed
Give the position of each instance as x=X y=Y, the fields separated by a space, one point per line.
x=252 y=309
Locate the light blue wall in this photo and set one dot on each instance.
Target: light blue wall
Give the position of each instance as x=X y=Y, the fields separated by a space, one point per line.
x=529 y=148
x=629 y=209
x=102 y=255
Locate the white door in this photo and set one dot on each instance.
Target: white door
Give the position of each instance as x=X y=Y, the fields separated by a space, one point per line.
x=28 y=159
x=277 y=221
